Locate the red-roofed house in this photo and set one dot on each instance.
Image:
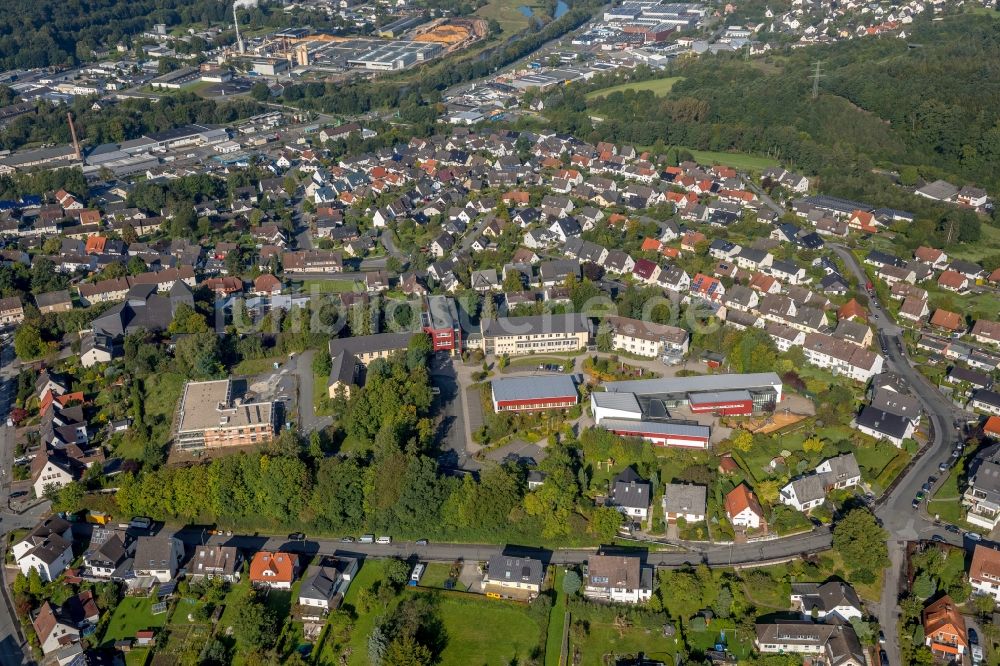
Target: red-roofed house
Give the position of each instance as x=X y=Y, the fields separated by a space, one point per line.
x=646 y=270
x=953 y=281
x=992 y=427
x=945 y=319
x=708 y=288
x=931 y=256
x=266 y=285
x=862 y=221
x=944 y=630
x=743 y=509
x=984 y=572
x=651 y=245
x=852 y=310
x=275 y=570
x=690 y=239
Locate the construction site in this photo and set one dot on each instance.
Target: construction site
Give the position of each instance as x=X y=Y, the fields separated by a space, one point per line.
x=402 y=44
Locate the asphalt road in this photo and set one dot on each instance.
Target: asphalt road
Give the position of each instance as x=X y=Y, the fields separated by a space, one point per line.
x=895 y=509
x=718 y=555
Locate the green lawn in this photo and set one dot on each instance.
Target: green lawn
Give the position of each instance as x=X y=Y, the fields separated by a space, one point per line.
x=329 y=286
x=473 y=637
x=435 y=575
x=734 y=160
x=507 y=14
x=257 y=366
x=947 y=500
x=557 y=617
x=740 y=646
x=137 y=657
x=604 y=638
x=988 y=244
x=133 y=614
x=163 y=391
x=659 y=87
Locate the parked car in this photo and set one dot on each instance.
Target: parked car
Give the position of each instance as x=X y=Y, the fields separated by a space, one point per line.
x=421 y=542
x=973 y=536
x=347 y=539
x=938 y=538
x=383 y=540
x=367 y=538
x=952 y=528
x=883 y=658
x=973 y=636
x=943 y=467
x=296 y=536
x=881 y=637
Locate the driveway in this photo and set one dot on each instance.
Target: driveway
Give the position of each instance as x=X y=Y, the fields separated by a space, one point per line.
x=301 y=365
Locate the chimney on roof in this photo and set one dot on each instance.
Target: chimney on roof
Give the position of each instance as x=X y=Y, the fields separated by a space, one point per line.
x=72 y=131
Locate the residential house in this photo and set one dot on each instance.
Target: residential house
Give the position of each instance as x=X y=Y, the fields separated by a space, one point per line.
x=743 y=509
x=11 y=311
x=618 y=578
x=684 y=500
x=985 y=401
x=832 y=643
x=157 y=557
x=47 y=548
x=53 y=631
x=275 y=570
x=984 y=571
x=944 y=630
x=883 y=425
x=324 y=586
x=216 y=562
x=822 y=600
x=54 y=301
x=645 y=338
x=630 y=494
x=518 y=577
x=109 y=551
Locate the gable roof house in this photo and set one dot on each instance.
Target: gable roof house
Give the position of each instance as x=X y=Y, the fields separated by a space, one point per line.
x=211 y=562
x=324 y=586
x=54 y=632
x=834 y=598
x=157 y=557
x=984 y=571
x=743 y=509
x=837 y=643
x=618 y=578
x=944 y=629
x=108 y=552
x=276 y=570
x=630 y=494
x=519 y=577
x=883 y=425
x=47 y=548
x=683 y=500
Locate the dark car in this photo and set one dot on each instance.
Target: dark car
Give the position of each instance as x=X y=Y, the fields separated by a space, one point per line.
x=952 y=528
x=296 y=536
x=883 y=658
x=973 y=637
x=915 y=503
x=938 y=538
x=19 y=493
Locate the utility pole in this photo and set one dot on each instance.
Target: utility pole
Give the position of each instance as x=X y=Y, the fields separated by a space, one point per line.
x=816 y=77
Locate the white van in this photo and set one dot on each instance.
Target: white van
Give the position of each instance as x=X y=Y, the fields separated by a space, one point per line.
x=384 y=540
x=367 y=538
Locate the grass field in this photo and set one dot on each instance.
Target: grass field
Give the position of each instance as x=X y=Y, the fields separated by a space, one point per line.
x=257 y=366
x=987 y=245
x=507 y=14
x=734 y=160
x=328 y=286
x=604 y=638
x=472 y=632
x=163 y=390
x=659 y=87
x=132 y=614
x=557 y=618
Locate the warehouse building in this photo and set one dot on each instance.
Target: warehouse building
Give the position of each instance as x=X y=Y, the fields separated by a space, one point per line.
x=521 y=394
x=729 y=395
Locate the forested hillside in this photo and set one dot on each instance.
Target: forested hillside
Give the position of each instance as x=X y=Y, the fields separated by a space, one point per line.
x=931 y=101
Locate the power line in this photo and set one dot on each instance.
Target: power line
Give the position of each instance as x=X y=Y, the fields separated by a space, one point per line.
x=816 y=76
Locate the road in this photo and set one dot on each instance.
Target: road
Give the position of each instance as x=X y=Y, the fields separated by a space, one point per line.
x=895 y=510
x=13 y=649
x=718 y=555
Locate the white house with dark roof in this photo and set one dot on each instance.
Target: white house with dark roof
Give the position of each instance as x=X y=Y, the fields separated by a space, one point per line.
x=630 y=494
x=47 y=548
